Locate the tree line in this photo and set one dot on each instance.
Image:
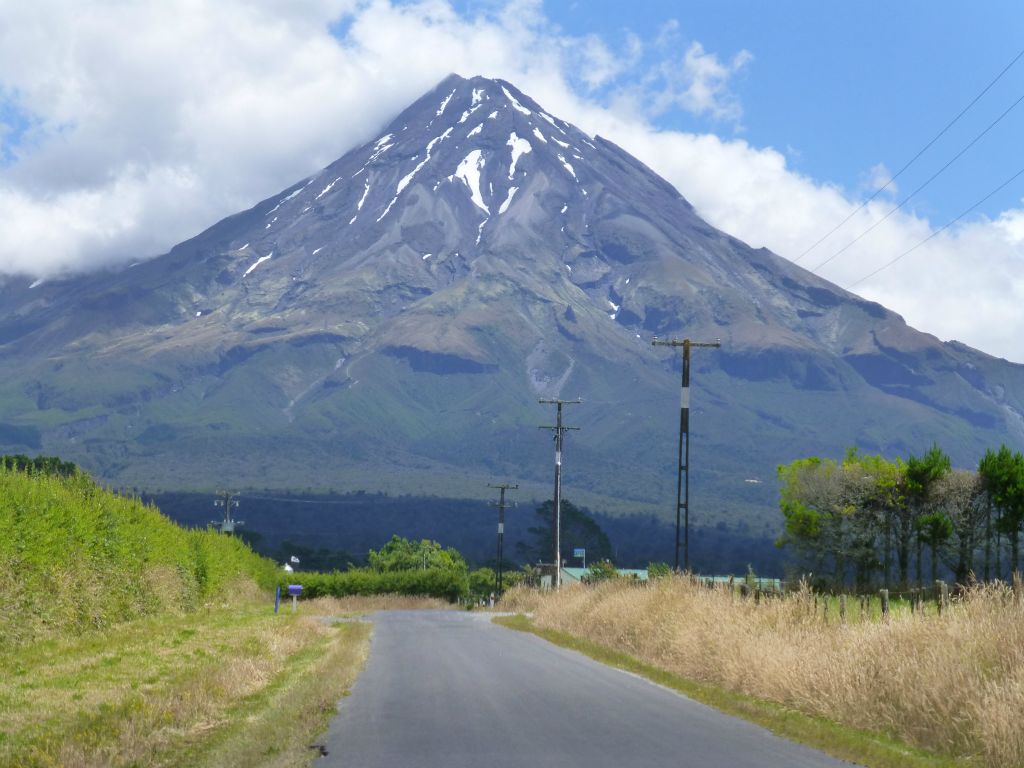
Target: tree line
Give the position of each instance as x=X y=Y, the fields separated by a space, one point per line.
x=866 y=519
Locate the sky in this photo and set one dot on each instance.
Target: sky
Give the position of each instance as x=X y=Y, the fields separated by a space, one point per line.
x=127 y=127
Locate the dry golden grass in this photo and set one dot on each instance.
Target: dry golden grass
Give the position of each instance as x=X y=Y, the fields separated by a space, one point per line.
x=336 y=606
x=952 y=684
x=176 y=690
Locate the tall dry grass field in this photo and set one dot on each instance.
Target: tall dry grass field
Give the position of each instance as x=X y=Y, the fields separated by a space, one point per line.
x=952 y=683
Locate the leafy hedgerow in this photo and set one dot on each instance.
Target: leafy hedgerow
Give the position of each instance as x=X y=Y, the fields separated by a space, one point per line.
x=74 y=557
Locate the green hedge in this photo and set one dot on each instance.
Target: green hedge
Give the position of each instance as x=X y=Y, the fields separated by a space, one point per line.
x=449 y=584
x=74 y=556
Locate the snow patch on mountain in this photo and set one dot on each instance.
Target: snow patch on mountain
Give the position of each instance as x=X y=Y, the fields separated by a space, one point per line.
x=568 y=166
x=508 y=200
x=256 y=263
x=468 y=113
x=378 y=150
x=539 y=135
x=328 y=188
x=519 y=148
x=475 y=131
x=515 y=104
x=386 y=210
x=409 y=177
x=551 y=120
x=440 y=110
x=478 y=96
x=469 y=171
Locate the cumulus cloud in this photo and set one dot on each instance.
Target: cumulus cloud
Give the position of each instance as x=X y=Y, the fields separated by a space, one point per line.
x=878 y=178
x=142 y=123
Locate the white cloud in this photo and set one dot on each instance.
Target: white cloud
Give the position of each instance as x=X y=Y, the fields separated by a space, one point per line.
x=878 y=178
x=152 y=120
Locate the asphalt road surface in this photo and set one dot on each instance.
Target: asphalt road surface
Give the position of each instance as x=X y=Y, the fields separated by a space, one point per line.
x=450 y=689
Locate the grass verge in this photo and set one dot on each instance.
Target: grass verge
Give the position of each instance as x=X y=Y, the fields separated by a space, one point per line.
x=871 y=750
x=228 y=685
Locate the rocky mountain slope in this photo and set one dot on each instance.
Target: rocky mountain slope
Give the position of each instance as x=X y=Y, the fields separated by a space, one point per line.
x=390 y=322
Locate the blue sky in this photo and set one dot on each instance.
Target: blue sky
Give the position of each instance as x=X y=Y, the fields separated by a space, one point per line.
x=140 y=124
x=841 y=87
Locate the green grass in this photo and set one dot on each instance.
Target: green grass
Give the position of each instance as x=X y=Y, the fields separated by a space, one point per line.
x=222 y=686
x=871 y=750
x=75 y=558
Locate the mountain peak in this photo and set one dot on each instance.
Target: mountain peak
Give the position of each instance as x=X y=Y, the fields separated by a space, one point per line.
x=419 y=293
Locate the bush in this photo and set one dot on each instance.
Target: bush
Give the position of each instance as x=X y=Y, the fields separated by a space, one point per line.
x=601 y=571
x=74 y=557
x=433 y=582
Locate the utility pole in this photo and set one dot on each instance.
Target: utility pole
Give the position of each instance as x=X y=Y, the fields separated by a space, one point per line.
x=501 y=505
x=559 y=431
x=683 y=480
x=228 y=500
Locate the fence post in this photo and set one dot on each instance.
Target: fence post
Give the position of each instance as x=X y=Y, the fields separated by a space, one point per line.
x=842 y=608
x=885 y=603
x=942 y=594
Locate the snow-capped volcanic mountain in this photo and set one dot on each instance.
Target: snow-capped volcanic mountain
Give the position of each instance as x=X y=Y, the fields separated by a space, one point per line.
x=390 y=322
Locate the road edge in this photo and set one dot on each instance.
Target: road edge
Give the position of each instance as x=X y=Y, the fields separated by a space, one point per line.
x=865 y=748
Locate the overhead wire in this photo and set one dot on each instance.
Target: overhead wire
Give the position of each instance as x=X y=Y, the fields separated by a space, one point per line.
x=912 y=160
x=287 y=500
x=937 y=232
x=932 y=178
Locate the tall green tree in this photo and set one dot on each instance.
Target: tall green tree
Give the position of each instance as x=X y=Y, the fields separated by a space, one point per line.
x=1002 y=473
x=959 y=495
x=836 y=514
x=400 y=554
x=934 y=529
x=579 y=529
x=922 y=474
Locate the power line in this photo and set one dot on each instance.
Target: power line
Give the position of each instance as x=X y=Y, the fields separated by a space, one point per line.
x=941 y=229
x=912 y=160
x=925 y=184
x=286 y=500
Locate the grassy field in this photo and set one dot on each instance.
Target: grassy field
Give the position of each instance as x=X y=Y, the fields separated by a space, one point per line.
x=126 y=640
x=224 y=685
x=952 y=685
x=76 y=558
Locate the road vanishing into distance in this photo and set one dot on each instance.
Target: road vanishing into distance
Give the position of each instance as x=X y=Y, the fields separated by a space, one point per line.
x=447 y=689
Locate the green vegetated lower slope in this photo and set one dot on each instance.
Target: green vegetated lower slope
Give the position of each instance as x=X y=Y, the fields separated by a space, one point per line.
x=75 y=557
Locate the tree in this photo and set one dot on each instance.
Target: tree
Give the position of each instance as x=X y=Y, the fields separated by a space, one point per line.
x=481 y=582
x=922 y=474
x=657 y=571
x=400 y=554
x=579 y=529
x=44 y=465
x=1002 y=473
x=835 y=513
x=934 y=529
x=959 y=495
x=602 y=570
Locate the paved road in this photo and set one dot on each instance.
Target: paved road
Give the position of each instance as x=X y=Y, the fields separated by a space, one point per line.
x=450 y=689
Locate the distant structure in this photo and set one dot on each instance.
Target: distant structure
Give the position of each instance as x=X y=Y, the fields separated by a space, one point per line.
x=227 y=500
